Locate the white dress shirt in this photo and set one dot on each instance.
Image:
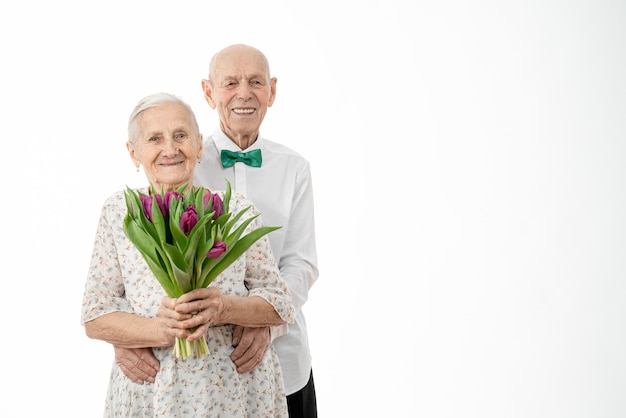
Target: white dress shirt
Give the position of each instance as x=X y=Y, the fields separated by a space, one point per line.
x=282 y=190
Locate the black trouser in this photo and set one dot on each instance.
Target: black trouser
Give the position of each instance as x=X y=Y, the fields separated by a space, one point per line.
x=303 y=403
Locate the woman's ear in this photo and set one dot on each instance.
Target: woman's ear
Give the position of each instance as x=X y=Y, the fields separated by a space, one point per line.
x=133 y=155
x=200 y=147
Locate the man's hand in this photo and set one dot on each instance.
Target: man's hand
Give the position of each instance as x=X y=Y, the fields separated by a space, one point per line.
x=250 y=347
x=138 y=364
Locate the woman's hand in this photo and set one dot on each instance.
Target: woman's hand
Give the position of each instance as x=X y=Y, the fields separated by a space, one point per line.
x=200 y=309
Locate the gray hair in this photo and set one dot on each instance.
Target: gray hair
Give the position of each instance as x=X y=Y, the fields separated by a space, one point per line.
x=156 y=100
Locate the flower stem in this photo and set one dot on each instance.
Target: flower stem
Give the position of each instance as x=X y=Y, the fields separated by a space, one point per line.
x=185 y=349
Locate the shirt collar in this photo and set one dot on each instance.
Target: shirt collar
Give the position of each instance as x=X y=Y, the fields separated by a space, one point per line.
x=222 y=142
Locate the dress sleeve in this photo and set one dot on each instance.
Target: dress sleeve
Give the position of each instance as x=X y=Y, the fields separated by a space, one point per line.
x=104 y=288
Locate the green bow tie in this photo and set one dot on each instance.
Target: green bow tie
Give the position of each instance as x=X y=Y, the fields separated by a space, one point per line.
x=252 y=158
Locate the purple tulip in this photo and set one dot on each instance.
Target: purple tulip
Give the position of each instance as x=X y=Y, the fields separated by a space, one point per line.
x=163 y=203
x=169 y=195
x=219 y=247
x=146 y=202
x=189 y=219
x=218 y=205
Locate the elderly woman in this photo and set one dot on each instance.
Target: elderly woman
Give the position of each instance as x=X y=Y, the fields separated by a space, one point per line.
x=125 y=305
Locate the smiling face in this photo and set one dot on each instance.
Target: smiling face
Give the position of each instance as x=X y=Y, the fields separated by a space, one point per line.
x=166 y=145
x=241 y=90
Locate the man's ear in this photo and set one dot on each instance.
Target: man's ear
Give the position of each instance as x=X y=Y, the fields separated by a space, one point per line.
x=273 y=81
x=208 y=93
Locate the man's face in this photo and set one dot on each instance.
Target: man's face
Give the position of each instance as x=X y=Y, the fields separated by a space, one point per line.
x=241 y=91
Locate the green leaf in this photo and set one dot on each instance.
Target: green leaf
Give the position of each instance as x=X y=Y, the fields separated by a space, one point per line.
x=158 y=221
x=179 y=236
x=135 y=211
x=229 y=225
x=197 y=234
x=199 y=201
x=235 y=252
x=180 y=268
x=206 y=263
x=168 y=285
x=227 y=193
x=142 y=240
x=232 y=237
x=182 y=188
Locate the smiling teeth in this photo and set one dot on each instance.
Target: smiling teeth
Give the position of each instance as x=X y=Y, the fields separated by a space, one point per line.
x=243 y=111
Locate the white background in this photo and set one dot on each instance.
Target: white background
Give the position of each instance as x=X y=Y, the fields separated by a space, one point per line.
x=468 y=163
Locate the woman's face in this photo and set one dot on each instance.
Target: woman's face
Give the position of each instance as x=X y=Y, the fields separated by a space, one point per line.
x=166 y=146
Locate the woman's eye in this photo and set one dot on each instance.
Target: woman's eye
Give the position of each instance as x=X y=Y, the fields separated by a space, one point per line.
x=154 y=139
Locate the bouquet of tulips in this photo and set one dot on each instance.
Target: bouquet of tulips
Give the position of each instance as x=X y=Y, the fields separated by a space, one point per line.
x=187 y=239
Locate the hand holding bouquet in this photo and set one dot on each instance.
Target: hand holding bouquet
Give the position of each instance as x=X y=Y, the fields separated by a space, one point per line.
x=187 y=239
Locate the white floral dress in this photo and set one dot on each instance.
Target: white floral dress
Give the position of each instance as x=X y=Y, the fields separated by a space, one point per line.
x=120 y=280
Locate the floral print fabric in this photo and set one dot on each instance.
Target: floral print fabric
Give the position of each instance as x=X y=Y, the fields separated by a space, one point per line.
x=120 y=280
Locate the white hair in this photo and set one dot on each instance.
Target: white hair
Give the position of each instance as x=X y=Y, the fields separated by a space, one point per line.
x=156 y=100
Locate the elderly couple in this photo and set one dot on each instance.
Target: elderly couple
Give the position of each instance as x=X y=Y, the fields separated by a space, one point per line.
x=259 y=363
